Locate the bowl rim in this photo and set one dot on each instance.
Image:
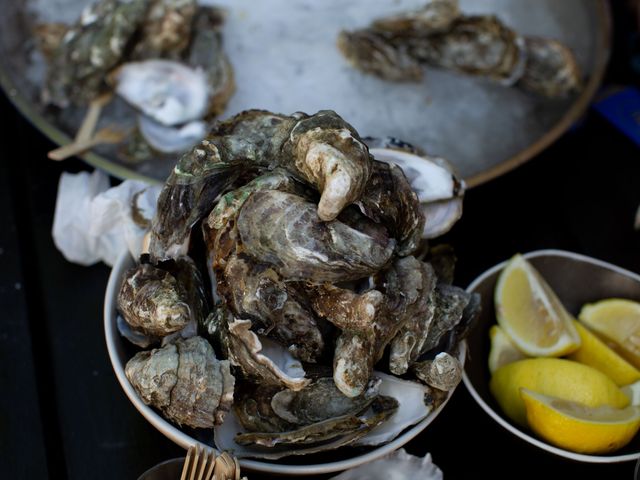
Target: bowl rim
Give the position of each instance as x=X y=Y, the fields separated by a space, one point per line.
x=185 y=441
x=581 y=457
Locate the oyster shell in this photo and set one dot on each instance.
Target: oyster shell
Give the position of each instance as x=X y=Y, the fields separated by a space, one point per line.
x=369 y=321
x=444 y=372
x=397 y=466
x=408 y=403
x=550 y=68
x=262 y=359
x=259 y=292
x=169 y=92
x=171 y=139
x=345 y=429
x=438 y=35
x=450 y=303
x=152 y=302
x=409 y=342
x=301 y=246
x=185 y=381
x=390 y=200
x=166 y=30
x=93 y=46
x=440 y=192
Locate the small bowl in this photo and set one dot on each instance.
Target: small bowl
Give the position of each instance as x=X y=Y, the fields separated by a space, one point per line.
x=576 y=279
x=120 y=351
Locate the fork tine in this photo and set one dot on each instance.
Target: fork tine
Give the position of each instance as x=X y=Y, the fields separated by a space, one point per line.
x=212 y=464
x=185 y=467
x=206 y=454
x=237 y=464
x=194 y=467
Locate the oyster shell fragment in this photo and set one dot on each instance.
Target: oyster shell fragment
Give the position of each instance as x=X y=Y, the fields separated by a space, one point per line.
x=185 y=381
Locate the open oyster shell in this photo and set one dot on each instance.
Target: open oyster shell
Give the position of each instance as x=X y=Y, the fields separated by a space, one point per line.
x=405 y=399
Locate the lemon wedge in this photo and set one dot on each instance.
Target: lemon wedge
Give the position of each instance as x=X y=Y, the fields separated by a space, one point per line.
x=531 y=314
x=574 y=426
x=556 y=377
x=617 y=321
x=503 y=350
x=595 y=353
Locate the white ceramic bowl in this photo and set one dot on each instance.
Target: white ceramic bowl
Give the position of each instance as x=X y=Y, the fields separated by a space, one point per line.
x=120 y=352
x=577 y=279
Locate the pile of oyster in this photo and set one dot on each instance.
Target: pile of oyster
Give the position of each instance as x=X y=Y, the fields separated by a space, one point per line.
x=163 y=57
x=292 y=289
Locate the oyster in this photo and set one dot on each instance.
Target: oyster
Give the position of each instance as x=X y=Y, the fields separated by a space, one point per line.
x=369 y=321
x=262 y=359
x=444 y=372
x=438 y=35
x=279 y=309
x=344 y=429
x=185 y=381
x=320 y=149
x=152 y=301
x=390 y=200
x=450 y=303
x=90 y=49
x=440 y=192
x=166 y=30
x=160 y=300
x=409 y=342
x=206 y=52
x=550 y=68
x=303 y=247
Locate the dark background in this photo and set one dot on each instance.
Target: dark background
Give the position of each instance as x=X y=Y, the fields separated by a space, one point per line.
x=62 y=413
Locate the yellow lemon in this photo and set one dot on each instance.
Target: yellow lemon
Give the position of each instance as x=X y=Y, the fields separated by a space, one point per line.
x=556 y=377
x=617 y=321
x=503 y=350
x=531 y=314
x=574 y=426
x=595 y=353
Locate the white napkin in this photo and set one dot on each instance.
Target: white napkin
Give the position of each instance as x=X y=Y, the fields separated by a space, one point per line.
x=93 y=222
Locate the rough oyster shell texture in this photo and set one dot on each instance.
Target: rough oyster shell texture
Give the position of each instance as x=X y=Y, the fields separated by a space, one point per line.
x=439 y=35
x=315 y=255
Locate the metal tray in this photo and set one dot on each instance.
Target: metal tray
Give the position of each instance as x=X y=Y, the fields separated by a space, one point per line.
x=285 y=60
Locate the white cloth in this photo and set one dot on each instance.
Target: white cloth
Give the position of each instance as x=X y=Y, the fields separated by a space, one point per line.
x=93 y=222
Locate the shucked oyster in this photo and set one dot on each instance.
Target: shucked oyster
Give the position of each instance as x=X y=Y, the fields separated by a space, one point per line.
x=185 y=381
x=438 y=35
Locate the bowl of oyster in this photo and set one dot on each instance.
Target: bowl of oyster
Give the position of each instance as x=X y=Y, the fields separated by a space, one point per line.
x=292 y=306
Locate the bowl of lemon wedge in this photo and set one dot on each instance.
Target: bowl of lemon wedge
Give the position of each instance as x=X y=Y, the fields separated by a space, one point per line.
x=555 y=358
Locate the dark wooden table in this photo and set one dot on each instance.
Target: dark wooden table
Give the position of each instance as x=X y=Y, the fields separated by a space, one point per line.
x=63 y=414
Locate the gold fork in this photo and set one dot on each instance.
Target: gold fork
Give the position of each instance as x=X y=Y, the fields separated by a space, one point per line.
x=203 y=464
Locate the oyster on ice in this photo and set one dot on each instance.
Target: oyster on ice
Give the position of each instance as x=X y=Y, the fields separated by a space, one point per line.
x=439 y=35
x=185 y=381
x=90 y=49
